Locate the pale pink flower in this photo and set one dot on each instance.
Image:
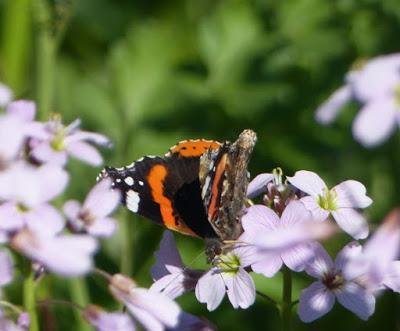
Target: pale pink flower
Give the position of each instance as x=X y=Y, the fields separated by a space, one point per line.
x=66 y=255
x=92 y=216
x=27 y=190
x=275 y=240
x=259 y=184
x=105 y=321
x=153 y=310
x=377 y=265
x=228 y=275
x=62 y=141
x=8 y=325
x=341 y=201
x=331 y=285
x=170 y=275
x=376 y=86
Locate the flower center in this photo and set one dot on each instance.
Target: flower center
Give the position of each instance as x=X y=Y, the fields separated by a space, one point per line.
x=333 y=281
x=229 y=263
x=58 y=141
x=86 y=217
x=327 y=199
x=22 y=208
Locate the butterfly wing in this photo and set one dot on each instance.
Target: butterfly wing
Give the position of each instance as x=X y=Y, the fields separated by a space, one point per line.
x=167 y=190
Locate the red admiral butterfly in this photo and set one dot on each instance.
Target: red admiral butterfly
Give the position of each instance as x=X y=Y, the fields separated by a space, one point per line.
x=198 y=188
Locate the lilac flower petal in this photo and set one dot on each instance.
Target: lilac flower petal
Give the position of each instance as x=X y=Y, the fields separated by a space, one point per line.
x=172 y=285
x=315 y=301
x=165 y=311
x=308 y=182
x=85 y=152
x=377 y=78
x=65 y=255
x=351 y=222
x=295 y=213
x=94 y=137
x=53 y=181
x=44 y=219
x=105 y=321
x=102 y=200
x=188 y=322
x=259 y=185
x=392 y=277
x=11 y=137
x=328 y=111
x=166 y=255
x=148 y=321
x=210 y=289
x=351 y=194
x=24 y=109
x=44 y=153
x=268 y=265
x=71 y=209
x=24 y=320
x=375 y=122
x=103 y=227
x=356 y=299
x=8 y=325
x=259 y=217
x=10 y=218
x=6 y=95
x=311 y=204
x=348 y=253
x=241 y=289
x=296 y=258
x=6 y=268
x=321 y=263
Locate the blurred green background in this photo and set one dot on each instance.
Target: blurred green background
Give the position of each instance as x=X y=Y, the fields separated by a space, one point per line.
x=150 y=73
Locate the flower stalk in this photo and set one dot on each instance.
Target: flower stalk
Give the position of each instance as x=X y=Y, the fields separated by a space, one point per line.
x=286 y=306
x=30 y=301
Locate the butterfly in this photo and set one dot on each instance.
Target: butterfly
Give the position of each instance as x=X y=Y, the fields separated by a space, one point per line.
x=198 y=188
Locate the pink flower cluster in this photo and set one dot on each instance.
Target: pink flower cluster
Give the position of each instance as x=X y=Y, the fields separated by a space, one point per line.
x=284 y=231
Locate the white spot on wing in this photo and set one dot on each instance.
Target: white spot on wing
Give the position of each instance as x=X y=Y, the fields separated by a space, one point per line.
x=118 y=180
x=141 y=183
x=129 y=180
x=205 y=187
x=132 y=200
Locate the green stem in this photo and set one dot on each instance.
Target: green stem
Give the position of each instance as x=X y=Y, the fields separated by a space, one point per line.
x=45 y=58
x=11 y=306
x=286 y=306
x=80 y=296
x=30 y=302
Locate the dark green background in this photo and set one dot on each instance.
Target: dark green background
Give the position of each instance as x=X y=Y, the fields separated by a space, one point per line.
x=150 y=73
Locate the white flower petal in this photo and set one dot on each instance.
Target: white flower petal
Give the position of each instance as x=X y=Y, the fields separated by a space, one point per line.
x=259 y=185
x=351 y=222
x=149 y=322
x=210 y=289
x=375 y=122
x=315 y=301
x=6 y=268
x=351 y=194
x=44 y=153
x=308 y=182
x=328 y=111
x=311 y=204
x=44 y=219
x=102 y=227
x=356 y=299
x=259 y=217
x=172 y=285
x=6 y=95
x=241 y=289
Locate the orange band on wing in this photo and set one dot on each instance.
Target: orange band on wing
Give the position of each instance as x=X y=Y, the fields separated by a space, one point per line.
x=219 y=172
x=194 y=148
x=155 y=180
